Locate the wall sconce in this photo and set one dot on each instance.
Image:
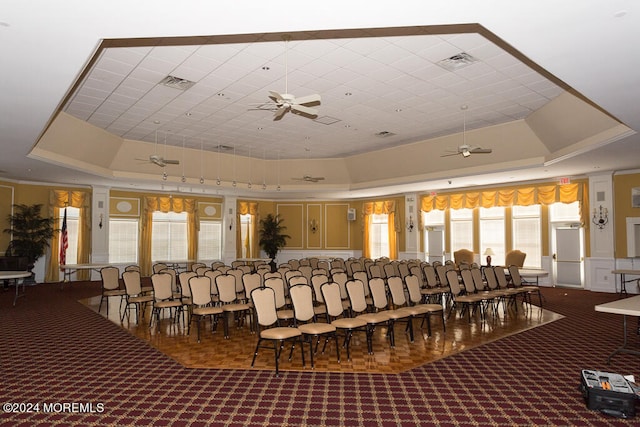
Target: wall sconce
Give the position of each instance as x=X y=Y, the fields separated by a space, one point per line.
x=231 y=222
x=100 y=223
x=313 y=225
x=410 y=224
x=600 y=217
x=488 y=252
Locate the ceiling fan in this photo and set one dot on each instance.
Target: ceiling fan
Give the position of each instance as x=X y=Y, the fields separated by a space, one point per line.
x=309 y=178
x=158 y=160
x=466 y=151
x=286 y=102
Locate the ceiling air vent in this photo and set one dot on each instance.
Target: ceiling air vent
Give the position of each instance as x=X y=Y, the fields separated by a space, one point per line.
x=457 y=61
x=384 y=134
x=326 y=120
x=176 y=83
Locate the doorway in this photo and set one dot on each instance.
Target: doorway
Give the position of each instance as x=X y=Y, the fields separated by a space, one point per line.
x=567 y=247
x=435 y=245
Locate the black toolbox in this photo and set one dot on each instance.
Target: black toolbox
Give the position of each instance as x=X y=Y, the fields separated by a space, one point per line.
x=608 y=393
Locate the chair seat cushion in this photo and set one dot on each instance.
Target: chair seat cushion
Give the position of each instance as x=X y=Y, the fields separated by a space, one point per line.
x=349 y=323
x=206 y=311
x=168 y=304
x=316 y=328
x=285 y=314
x=280 y=333
x=374 y=317
x=140 y=299
x=399 y=313
x=114 y=293
x=235 y=307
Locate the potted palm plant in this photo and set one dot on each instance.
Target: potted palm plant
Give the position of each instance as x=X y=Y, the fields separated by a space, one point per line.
x=31 y=233
x=272 y=237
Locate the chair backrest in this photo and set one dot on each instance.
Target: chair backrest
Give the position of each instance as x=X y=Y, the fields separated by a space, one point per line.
x=303 y=262
x=515 y=257
x=417 y=271
x=357 y=298
x=132 y=267
x=331 y=296
x=338 y=263
x=250 y=282
x=195 y=266
x=200 y=290
x=378 y=292
x=375 y=271
x=324 y=264
x=396 y=287
x=478 y=282
x=431 y=279
x=291 y=273
x=319 y=270
x=313 y=262
x=294 y=264
x=341 y=279
x=159 y=266
x=282 y=269
x=216 y=264
x=412 y=283
x=223 y=268
x=490 y=276
x=226 y=286
x=467 y=280
x=390 y=270
x=362 y=276
x=404 y=269
x=441 y=271
x=237 y=273
x=264 y=301
x=454 y=283
x=306 y=271
x=174 y=279
x=131 y=281
x=246 y=269
x=516 y=279
x=302 y=300
x=162 y=289
x=201 y=270
x=463 y=256
x=298 y=280
x=236 y=263
x=503 y=283
x=271 y=274
x=316 y=282
x=110 y=278
x=184 y=278
x=277 y=284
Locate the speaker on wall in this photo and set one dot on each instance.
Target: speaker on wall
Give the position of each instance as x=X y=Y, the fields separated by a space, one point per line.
x=351 y=214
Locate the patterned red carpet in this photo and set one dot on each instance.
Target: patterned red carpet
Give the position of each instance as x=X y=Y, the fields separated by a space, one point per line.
x=56 y=352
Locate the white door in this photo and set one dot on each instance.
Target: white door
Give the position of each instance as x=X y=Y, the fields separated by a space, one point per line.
x=435 y=245
x=568 y=256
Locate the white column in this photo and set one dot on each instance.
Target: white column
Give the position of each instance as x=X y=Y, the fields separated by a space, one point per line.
x=229 y=225
x=601 y=261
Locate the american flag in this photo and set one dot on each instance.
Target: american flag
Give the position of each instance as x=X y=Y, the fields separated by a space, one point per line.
x=64 y=241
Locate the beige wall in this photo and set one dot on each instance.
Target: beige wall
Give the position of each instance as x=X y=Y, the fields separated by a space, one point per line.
x=622 y=185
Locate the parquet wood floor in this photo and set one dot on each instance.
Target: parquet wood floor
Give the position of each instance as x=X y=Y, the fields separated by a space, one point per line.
x=214 y=351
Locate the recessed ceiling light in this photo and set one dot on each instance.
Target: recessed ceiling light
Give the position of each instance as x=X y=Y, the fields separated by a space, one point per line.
x=157 y=122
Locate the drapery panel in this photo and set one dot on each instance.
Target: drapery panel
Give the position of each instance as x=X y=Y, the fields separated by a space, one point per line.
x=58 y=200
x=166 y=204
x=522 y=196
x=387 y=207
x=251 y=241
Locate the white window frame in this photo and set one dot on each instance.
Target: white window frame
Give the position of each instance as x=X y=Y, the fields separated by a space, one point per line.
x=124 y=251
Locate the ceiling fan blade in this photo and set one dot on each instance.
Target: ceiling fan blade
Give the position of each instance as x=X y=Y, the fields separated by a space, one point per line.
x=304 y=110
x=309 y=99
x=450 y=154
x=171 y=162
x=275 y=96
x=279 y=113
x=481 y=150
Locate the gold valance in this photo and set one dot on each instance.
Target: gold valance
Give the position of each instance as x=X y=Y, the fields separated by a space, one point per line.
x=524 y=196
x=385 y=207
x=245 y=208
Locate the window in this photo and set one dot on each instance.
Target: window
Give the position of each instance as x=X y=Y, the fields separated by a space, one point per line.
x=569 y=212
x=169 y=236
x=123 y=240
x=527 y=233
x=379 y=236
x=210 y=240
x=73 y=224
x=461 y=227
x=492 y=233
